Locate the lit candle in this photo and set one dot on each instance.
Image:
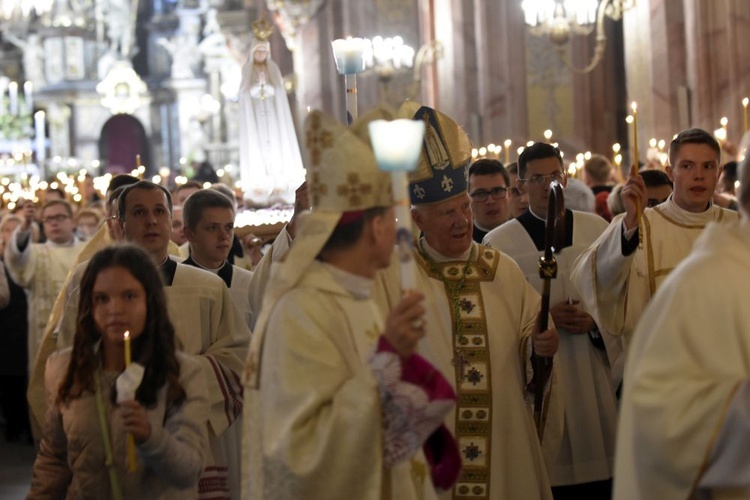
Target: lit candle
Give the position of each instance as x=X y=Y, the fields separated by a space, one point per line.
x=39 y=138
x=745 y=102
x=13 y=97
x=724 y=122
x=507 y=144
x=28 y=96
x=130 y=438
x=547 y=135
x=397 y=145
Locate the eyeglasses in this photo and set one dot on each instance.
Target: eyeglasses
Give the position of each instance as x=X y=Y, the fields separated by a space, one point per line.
x=544 y=179
x=55 y=218
x=497 y=193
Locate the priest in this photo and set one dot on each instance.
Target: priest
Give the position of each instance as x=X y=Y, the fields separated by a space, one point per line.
x=340 y=406
x=683 y=428
x=481 y=326
x=583 y=467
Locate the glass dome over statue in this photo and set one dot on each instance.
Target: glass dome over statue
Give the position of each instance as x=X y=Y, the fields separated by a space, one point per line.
x=270 y=162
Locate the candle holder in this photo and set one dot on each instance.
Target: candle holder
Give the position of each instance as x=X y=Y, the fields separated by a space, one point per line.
x=397 y=145
x=349 y=56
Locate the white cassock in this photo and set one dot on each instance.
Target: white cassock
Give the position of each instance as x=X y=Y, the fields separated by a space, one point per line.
x=684 y=423
x=616 y=288
x=586 y=452
x=270 y=160
x=214 y=332
x=493 y=421
x=41 y=269
x=314 y=426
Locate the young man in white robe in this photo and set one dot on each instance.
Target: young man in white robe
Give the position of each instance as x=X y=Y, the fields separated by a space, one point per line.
x=339 y=404
x=481 y=326
x=684 y=428
x=41 y=268
x=206 y=321
x=209 y=228
x=584 y=465
x=617 y=276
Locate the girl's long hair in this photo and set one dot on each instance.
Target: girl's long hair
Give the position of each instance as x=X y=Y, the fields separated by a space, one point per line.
x=154 y=348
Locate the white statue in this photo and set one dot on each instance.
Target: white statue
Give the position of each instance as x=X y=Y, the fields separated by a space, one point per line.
x=270 y=160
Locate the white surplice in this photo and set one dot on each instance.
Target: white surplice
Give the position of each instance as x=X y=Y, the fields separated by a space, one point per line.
x=616 y=288
x=586 y=452
x=493 y=422
x=684 y=424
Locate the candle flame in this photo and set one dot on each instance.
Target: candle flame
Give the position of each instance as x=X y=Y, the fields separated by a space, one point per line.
x=745 y=101
x=126 y=335
x=629 y=119
x=724 y=121
x=548 y=134
x=507 y=143
x=634 y=106
x=616 y=147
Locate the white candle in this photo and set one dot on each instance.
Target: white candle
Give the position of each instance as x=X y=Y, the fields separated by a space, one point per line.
x=349 y=55
x=13 y=97
x=28 y=95
x=39 y=138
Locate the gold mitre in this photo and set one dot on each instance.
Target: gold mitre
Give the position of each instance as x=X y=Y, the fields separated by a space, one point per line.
x=262 y=29
x=442 y=171
x=342 y=175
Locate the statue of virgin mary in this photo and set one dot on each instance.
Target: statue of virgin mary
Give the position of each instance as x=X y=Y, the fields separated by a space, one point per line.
x=270 y=161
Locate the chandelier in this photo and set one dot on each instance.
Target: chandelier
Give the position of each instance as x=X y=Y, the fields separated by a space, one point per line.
x=559 y=20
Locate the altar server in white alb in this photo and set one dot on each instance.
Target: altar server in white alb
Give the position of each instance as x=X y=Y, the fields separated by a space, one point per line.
x=584 y=464
x=617 y=276
x=684 y=424
x=209 y=227
x=481 y=326
x=339 y=406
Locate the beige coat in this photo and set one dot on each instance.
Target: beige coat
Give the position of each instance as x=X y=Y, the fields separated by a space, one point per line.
x=71 y=459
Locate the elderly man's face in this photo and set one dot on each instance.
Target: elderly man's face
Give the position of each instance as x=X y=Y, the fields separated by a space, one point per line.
x=447 y=225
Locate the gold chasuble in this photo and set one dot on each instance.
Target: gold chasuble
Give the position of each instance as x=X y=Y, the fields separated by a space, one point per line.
x=479 y=318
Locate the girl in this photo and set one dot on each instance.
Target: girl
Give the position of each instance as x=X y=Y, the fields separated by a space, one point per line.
x=84 y=450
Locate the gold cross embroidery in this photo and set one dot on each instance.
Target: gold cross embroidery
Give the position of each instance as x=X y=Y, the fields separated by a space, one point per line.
x=317 y=140
x=354 y=190
x=317 y=189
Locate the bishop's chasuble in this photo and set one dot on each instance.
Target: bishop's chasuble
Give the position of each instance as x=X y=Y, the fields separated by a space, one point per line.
x=479 y=319
x=684 y=424
x=314 y=426
x=616 y=287
x=586 y=452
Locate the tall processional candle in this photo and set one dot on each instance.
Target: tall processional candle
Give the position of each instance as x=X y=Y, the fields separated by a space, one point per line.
x=634 y=168
x=13 y=98
x=349 y=55
x=745 y=102
x=39 y=138
x=28 y=96
x=397 y=145
x=507 y=144
x=130 y=438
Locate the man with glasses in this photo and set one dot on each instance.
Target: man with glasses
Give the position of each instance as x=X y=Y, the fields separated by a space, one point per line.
x=488 y=187
x=583 y=466
x=41 y=268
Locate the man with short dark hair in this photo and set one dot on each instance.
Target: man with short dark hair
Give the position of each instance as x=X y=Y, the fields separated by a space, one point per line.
x=583 y=466
x=658 y=187
x=488 y=188
x=183 y=191
x=209 y=228
x=683 y=428
x=617 y=276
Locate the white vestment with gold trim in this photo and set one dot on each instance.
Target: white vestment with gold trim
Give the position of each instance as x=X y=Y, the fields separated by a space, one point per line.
x=684 y=429
x=616 y=288
x=493 y=421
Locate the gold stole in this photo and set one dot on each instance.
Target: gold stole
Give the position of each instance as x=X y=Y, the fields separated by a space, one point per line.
x=472 y=365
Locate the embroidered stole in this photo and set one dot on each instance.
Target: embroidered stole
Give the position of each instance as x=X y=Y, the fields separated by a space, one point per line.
x=473 y=424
